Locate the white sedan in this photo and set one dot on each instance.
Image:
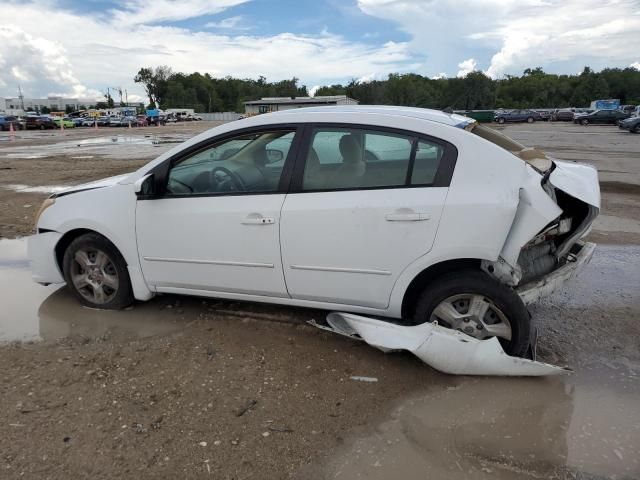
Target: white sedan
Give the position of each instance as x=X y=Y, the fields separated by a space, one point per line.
x=394 y=212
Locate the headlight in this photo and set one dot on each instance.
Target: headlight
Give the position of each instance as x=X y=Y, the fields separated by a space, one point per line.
x=46 y=204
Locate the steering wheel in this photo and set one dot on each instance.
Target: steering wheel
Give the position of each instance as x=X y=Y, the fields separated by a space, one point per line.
x=226 y=180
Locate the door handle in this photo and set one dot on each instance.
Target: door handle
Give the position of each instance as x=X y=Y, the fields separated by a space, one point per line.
x=257 y=219
x=406 y=215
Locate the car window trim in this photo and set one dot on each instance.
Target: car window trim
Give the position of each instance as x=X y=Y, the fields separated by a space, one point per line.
x=161 y=171
x=442 y=178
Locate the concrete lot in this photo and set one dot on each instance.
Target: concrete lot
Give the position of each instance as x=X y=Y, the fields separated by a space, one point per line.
x=188 y=388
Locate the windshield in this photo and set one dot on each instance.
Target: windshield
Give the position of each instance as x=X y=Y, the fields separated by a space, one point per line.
x=532 y=156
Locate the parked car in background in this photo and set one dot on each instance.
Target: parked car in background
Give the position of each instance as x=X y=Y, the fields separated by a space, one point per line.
x=249 y=210
x=632 y=124
x=77 y=121
x=516 y=116
x=563 y=114
x=66 y=122
x=630 y=109
x=123 y=121
x=39 y=122
x=543 y=114
x=88 y=121
x=6 y=121
x=601 y=117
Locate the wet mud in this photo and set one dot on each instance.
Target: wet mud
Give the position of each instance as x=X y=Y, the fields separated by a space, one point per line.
x=103 y=379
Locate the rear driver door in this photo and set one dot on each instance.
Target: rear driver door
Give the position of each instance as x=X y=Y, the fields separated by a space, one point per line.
x=365 y=203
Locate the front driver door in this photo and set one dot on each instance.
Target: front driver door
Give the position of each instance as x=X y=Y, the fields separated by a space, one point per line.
x=216 y=227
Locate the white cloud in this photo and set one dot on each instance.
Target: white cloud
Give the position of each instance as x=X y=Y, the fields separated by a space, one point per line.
x=312 y=91
x=26 y=59
x=466 y=67
x=231 y=23
x=635 y=65
x=439 y=76
x=76 y=62
x=516 y=34
x=133 y=12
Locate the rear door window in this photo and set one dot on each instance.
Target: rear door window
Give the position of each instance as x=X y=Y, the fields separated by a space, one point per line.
x=355 y=158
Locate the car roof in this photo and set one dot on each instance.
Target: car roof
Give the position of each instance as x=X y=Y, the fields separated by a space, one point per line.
x=428 y=114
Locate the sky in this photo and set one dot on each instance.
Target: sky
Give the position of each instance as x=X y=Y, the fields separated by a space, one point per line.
x=80 y=48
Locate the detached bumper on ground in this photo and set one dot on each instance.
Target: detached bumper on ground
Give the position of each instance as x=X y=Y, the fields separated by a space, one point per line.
x=446 y=350
x=534 y=291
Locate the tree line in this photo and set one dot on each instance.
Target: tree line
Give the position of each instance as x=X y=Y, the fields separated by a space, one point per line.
x=533 y=89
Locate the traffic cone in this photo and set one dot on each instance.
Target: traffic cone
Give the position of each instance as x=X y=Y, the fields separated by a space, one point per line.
x=129 y=125
x=12 y=131
x=61 y=127
x=95 y=123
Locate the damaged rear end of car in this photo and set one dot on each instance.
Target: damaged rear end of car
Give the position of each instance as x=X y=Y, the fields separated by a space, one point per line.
x=525 y=215
x=558 y=203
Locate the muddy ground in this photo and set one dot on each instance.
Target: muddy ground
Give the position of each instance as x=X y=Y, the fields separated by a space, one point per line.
x=181 y=387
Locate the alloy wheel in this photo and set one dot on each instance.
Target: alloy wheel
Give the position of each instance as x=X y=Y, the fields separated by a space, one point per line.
x=94 y=275
x=474 y=315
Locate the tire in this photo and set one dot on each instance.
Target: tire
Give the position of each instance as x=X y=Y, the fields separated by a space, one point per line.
x=636 y=129
x=584 y=122
x=501 y=121
x=42 y=127
x=504 y=306
x=530 y=120
x=107 y=273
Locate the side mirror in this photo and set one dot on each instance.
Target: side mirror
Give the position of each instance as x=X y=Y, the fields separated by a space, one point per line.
x=144 y=185
x=274 y=156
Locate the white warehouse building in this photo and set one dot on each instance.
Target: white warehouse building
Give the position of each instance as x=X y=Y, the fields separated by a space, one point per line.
x=274 y=104
x=14 y=105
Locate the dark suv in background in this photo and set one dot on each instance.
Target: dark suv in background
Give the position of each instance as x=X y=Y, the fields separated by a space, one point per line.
x=41 y=123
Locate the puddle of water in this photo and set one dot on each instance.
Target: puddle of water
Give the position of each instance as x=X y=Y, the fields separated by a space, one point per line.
x=25 y=156
x=584 y=427
x=32 y=312
x=96 y=145
x=35 y=189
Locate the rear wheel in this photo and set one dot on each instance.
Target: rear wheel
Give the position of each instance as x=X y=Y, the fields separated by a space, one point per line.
x=530 y=120
x=636 y=129
x=501 y=121
x=473 y=303
x=584 y=122
x=96 y=273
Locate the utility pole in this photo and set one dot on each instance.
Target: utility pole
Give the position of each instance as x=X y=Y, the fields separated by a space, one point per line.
x=21 y=97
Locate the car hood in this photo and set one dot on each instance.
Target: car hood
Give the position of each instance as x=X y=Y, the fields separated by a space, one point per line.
x=105 y=182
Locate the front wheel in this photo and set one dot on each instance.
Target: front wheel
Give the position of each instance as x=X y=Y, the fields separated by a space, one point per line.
x=530 y=120
x=584 y=122
x=501 y=121
x=473 y=303
x=96 y=273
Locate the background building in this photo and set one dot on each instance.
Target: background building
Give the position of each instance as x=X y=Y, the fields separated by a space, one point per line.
x=17 y=106
x=274 y=104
